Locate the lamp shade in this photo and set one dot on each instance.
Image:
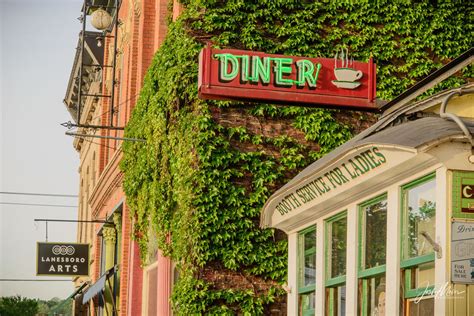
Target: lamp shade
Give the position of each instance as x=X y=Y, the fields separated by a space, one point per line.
x=101 y=19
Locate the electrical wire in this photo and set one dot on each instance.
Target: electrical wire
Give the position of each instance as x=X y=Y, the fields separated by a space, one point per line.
x=33 y=280
x=92 y=142
x=115 y=107
x=39 y=194
x=103 y=145
x=34 y=204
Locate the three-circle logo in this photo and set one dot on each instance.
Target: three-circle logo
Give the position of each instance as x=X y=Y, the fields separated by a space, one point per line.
x=63 y=250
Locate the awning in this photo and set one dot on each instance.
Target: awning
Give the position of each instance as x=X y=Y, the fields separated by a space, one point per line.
x=83 y=285
x=395 y=150
x=98 y=286
x=80 y=288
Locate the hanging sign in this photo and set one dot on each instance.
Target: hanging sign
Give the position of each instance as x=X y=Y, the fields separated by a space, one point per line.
x=467 y=196
x=60 y=259
x=462 y=252
x=463 y=194
x=339 y=82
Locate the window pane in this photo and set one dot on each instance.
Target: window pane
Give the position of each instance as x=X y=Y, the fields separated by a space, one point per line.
x=341 y=301
x=306 y=303
x=424 y=307
x=421 y=217
x=310 y=240
x=309 y=269
x=375 y=216
x=372 y=296
x=422 y=276
x=307 y=272
x=307 y=257
x=338 y=248
x=336 y=301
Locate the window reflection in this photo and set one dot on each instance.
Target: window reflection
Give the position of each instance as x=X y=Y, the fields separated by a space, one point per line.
x=375 y=234
x=421 y=207
x=307 y=271
x=372 y=296
x=338 y=247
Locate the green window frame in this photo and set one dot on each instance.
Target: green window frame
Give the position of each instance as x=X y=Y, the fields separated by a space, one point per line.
x=305 y=291
x=409 y=264
x=333 y=284
x=368 y=277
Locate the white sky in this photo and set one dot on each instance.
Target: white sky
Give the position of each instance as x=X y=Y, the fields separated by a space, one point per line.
x=37 y=46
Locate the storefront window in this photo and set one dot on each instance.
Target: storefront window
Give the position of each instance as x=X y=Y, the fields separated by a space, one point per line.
x=307 y=271
x=418 y=234
x=420 y=216
x=375 y=227
x=372 y=256
x=336 y=246
x=372 y=296
x=423 y=307
x=336 y=300
x=306 y=303
x=420 y=276
x=337 y=229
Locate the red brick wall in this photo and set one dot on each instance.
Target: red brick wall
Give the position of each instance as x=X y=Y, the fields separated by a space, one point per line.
x=147 y=29
x=177 y=9
x=135 y=284
x=95 y=269
x=130 y=72
x=161 y=27
x=125 y=261
x=145 y=39
x=164 y=286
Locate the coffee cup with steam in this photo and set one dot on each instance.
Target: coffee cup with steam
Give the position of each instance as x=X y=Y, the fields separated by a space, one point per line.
x=346 y=75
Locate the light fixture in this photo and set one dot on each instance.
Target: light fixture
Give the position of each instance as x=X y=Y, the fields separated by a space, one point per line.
x=100 y=41
x=101 y=19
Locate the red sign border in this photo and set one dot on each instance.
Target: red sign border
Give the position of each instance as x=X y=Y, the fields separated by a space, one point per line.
x=208 y=91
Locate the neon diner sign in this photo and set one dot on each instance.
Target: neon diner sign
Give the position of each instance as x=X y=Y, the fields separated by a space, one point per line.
x=229 y=74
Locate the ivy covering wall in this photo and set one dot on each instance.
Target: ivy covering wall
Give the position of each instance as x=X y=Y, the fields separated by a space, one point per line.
x=196 y=187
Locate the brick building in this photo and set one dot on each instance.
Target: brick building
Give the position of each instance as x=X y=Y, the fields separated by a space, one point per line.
x=101 y=94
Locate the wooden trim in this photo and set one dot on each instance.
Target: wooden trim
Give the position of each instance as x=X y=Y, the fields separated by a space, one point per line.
x=417 y=260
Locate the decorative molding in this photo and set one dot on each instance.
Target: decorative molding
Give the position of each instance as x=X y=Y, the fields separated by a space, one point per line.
x=350 y=198
x=118 y=221
x=124 y=37
x=137 y=7
x=109 y=234
x=109 y=180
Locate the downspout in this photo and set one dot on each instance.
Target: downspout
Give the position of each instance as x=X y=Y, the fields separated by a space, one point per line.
x=455 y=118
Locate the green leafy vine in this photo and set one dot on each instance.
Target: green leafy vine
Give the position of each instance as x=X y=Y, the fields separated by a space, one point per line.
x=195 y=189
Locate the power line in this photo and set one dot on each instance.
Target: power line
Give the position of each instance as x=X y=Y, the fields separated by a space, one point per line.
x=33 y=280
x=103 y=145
x=116 y=106
x=39 y=194
x=33 y=204
x=105 y=137
x=72 y=220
